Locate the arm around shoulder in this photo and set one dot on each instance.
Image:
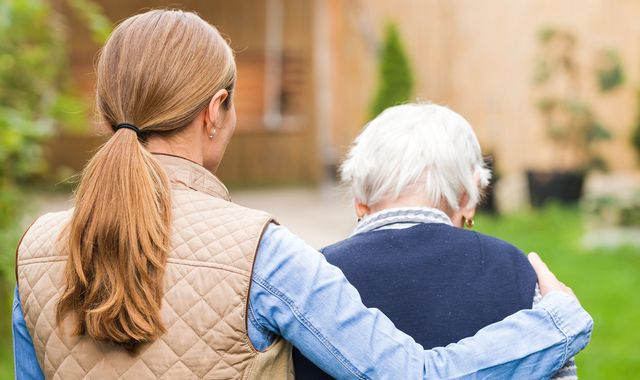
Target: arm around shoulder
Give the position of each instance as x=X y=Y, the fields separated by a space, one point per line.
x=529 y=344
x=298 y=295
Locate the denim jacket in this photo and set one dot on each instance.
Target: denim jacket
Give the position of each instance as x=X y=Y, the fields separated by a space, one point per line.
x=296 y=294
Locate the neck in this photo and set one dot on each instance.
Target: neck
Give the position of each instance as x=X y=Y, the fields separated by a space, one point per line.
x=408 y=201
x=174 y=148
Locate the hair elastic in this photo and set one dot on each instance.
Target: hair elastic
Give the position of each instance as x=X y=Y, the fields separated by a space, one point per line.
x=127 y=126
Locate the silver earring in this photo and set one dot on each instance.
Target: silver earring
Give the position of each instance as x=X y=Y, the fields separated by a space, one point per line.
x=213 y=133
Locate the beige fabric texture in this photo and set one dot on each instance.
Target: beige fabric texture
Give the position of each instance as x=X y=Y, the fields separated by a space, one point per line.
x=204 y=308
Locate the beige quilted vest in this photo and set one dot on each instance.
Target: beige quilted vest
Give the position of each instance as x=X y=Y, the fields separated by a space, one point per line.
x=205 y=303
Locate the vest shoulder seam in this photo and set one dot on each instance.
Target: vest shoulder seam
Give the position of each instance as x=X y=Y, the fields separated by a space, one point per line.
x=46 y=259
x=204 y=264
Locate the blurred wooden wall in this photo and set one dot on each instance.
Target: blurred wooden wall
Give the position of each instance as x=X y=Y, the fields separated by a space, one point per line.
x=478 y=57
x=258 y=154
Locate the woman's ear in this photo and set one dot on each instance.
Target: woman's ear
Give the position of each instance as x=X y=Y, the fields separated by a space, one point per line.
x=468 y=212
x=213 y=109
x=465 y=214
x=362 y=210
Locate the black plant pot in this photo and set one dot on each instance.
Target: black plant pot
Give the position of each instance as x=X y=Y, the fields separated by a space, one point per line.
x=561 y=186
x=488 y=203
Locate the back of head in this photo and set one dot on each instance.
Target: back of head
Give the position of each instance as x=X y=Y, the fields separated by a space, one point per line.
x=416 y=148
x=157 y=71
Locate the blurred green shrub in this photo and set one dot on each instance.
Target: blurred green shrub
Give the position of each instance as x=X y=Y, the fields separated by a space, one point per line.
x=32 y=63
x=571 y=123
x=395 y=79
x=93 y=17
x=36 y=95
x=635 y=133
x=613 y=210
x=635 y=139
x=609 y=72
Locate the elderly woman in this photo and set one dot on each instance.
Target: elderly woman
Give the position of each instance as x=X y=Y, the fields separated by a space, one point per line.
x=417 y=175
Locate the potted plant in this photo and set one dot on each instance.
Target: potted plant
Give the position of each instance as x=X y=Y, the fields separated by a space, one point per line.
x=571 y=125
x=488 y=202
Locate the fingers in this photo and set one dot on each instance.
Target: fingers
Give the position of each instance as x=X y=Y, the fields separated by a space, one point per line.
x=546 y=279
x=542 y=271
x=538 y=265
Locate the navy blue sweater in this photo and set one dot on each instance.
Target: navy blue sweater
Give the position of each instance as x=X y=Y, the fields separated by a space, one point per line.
x=436 y=282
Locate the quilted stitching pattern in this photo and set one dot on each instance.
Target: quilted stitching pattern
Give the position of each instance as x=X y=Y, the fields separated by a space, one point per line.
x=206 y=283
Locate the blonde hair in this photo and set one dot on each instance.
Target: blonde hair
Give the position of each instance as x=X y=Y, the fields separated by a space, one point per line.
x=419 y=149
x=158 y=71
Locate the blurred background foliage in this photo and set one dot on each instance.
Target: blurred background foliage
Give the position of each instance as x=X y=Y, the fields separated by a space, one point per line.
x=395 y=79
x=571 y=123
x=36 y=101
x=609 y=70
x=635 y=133
x=36 y=95
x=32 y=87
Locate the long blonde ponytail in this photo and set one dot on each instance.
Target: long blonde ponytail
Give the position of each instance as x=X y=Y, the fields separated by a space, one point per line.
x=157 y=71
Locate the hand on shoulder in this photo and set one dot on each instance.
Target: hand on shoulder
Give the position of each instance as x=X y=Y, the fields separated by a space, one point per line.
x=546 y=279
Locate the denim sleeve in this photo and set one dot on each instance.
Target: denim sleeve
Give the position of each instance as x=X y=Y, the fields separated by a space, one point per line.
x=24 y=354
x=569 y=371
x=296 y=294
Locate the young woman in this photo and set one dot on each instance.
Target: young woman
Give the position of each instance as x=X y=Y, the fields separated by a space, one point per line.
x=156 y=273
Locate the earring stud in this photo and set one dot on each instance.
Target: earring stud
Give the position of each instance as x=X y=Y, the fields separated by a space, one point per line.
x=213 y=133
x=467 y=222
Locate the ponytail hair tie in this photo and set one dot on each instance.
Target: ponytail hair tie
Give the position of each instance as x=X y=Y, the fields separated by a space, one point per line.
x=127 y=126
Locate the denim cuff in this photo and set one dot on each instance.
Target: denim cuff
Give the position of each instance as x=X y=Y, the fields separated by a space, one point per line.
x=570 y=318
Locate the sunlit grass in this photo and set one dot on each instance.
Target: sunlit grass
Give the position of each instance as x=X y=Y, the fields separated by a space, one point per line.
x=606 y=281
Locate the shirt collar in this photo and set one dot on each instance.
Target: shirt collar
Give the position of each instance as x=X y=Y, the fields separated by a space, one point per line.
x=408 y=216
x=192 y=175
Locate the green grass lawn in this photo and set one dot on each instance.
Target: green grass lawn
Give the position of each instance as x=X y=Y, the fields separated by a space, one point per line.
x=606 y=282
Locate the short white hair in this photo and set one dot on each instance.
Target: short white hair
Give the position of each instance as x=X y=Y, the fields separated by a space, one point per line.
x=416 y=148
